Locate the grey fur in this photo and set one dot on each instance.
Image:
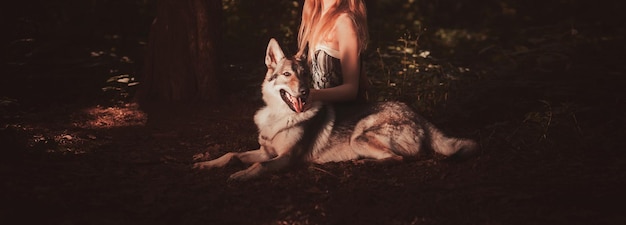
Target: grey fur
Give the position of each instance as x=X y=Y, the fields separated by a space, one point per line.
x=380 y=132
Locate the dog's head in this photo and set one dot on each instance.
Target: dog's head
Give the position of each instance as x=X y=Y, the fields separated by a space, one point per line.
x=286 y=81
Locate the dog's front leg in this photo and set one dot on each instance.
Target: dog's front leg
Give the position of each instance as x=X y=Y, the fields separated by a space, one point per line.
x=280 y=149
x=260 y=168
x=248 y=157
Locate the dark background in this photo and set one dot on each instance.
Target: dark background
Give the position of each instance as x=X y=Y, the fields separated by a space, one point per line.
x=539 y=84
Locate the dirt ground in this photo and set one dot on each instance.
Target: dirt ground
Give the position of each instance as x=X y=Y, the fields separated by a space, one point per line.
x=72 y=163
x=552 y=140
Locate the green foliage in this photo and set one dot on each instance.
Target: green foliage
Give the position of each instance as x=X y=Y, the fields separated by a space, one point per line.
x=120 y=87
x=122 y=79
x=403 y=71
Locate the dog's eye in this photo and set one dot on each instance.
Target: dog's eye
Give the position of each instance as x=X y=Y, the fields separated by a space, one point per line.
x=286 y=74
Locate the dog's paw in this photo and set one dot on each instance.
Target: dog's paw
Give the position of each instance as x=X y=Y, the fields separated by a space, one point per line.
x=240 y=176
x=252 y=172
x=204 y=165
x=219 y=162
x=201 y=157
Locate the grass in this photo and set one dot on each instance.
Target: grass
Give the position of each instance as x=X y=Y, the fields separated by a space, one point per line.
x=406 y=72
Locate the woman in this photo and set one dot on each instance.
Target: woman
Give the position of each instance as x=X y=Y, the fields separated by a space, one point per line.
x=336 y=34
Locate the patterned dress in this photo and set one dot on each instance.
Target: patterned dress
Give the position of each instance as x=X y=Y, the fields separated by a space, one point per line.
x=326 y=72
x=326 y=68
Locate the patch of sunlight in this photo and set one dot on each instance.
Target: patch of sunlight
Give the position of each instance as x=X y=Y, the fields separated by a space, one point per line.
x=80 y=136
x=39 y=138
x=98 y=117
x=120 y=87
x=62 y=143
x=68 y=144
x=124 y=79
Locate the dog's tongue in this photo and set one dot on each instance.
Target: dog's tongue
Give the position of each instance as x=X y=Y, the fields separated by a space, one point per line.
x=298 y=105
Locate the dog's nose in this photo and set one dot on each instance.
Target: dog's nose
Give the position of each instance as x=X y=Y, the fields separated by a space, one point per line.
x=304 y=91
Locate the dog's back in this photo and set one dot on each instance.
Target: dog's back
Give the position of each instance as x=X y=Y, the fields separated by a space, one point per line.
x=382 y=131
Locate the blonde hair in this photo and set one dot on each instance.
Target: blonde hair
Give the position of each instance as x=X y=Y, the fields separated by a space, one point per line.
x=313 y=29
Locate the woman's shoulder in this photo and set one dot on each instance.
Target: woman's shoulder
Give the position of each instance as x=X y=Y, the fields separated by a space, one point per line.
x=345 y=19
x=345 y=23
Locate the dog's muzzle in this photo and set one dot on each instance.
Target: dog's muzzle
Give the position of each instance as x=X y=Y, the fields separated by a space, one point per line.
x=295 y=103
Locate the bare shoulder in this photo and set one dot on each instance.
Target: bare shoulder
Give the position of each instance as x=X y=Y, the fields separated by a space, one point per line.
x=345 y=27
x=345 y=21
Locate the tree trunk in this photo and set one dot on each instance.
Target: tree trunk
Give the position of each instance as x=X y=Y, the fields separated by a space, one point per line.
x=181 y=62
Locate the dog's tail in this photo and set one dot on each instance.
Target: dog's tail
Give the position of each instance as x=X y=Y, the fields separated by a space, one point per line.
x=449 y=145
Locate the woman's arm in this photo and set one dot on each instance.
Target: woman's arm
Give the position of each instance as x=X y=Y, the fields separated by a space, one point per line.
x=345 y=40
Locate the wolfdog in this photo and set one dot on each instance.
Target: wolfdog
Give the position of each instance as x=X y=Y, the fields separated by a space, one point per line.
x=292 y=130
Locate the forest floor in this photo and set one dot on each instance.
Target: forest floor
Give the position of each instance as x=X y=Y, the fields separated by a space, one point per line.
x=552 y=140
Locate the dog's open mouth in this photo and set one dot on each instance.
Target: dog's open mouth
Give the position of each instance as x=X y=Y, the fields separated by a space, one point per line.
x=295 y=103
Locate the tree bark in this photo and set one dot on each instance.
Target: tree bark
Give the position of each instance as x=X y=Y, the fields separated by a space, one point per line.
x=181 y=62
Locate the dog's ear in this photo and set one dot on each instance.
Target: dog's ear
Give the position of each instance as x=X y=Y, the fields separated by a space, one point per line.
x=274 y=54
